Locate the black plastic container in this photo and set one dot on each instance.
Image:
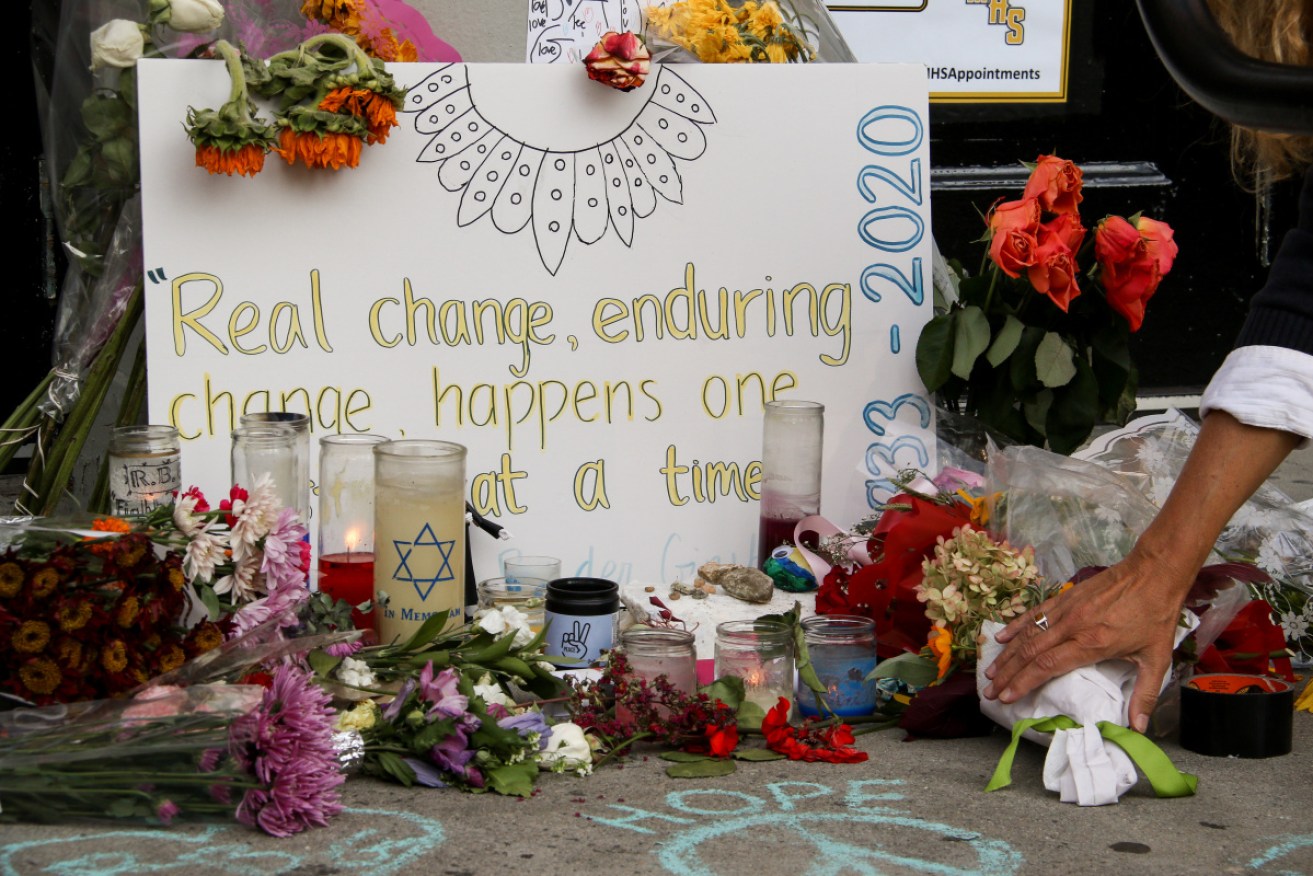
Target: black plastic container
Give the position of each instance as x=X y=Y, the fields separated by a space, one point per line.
x=581 y=617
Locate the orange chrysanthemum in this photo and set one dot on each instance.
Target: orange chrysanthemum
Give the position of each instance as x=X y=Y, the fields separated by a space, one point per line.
x=245 y=160
x=30 y=638
x=44 y=582
x=319 y=150
x=375 y=110
x=41 y=676
x=111 y=524
x=343 y=15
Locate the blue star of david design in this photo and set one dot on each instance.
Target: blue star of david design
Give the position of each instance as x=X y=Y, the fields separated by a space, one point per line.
x=429 y=542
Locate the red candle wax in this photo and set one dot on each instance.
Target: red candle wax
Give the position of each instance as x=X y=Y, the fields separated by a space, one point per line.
x=350 y=576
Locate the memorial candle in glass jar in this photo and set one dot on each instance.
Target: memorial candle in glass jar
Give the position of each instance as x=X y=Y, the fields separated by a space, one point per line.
x=761 y=653
x=841 y=648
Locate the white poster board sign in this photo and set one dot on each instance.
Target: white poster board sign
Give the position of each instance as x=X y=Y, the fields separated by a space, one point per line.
x=593 y=291
x=975 y=51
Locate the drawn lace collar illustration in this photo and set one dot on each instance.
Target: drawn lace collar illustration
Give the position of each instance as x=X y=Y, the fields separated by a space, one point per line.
x=558 y=191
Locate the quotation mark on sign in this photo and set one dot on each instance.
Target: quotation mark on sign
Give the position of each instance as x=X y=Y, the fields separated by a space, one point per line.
x=152 y=274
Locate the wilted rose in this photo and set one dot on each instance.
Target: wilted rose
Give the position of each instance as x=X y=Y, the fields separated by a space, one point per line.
x=620 y=60
x=1056 y=182
x=1054 y=271
x=188 y=16
x=118 y=43
x=1012 y=226
x=1132 y=262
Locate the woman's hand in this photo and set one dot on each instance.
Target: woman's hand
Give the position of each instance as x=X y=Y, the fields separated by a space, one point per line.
x=1128 y=611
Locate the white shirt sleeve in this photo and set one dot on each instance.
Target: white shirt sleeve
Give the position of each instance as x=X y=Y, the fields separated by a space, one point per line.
x=1269 y=387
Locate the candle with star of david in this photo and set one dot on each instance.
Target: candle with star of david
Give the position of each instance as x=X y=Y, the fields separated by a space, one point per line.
x=419 y=535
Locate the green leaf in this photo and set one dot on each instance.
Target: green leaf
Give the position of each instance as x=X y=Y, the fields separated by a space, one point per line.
x=392 y=766
x=757 y=754
x=1005 y=341
x=1022 y=372
x=750 y=715
x=1037 y=410
x=683 y=756
x=970 y=339
x=210 y=600
x=914 y=669
x=427 y=632
x=1074 y=412
x=323 y=663
x=120 y=156
x=105 y=117
x=728 y=689
x=514 y=780
x=702 y=769
x=1054 y=362
x=934 y=351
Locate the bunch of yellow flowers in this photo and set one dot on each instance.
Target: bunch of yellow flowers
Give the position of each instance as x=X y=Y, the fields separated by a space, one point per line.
x=718 y=33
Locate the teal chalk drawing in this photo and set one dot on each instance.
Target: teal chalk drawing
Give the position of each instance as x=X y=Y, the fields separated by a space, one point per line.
x=865 y=852
x=711 y=820
x=182 y=849
x=1282 y=851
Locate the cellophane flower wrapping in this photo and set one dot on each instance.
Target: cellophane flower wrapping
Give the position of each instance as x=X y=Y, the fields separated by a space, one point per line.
x=1270 y=529
x=155 y=758
x=809 y=21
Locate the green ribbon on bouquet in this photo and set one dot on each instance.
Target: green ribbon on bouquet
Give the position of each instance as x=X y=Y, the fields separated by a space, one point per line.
x=1157 y=767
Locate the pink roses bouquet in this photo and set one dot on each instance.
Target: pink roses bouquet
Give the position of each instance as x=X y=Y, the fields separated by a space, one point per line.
x=1036 y=343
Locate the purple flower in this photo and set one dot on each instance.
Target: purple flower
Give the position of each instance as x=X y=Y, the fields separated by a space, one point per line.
x=167 y=811
x=394 y=708
x=344 y=649
x=441 y=693
x=453 y=753
x=280 y=603
x=528 y=723
x=425 y=774
x=286 y=744
x=282 y=564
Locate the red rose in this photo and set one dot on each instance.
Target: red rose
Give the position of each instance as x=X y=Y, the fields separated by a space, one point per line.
x=1132 y=262
x=620 y=60
x=1012 y=227
x=1056 y=182
x=1054 y=271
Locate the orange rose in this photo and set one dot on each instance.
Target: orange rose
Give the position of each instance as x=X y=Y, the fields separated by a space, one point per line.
x=1054 y=271
x=620 y=60
x=1056 y=182
x=1132 y=262
x=1012 y=228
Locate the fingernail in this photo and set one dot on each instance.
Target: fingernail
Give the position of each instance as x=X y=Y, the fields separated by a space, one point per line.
x=989 y=691
x=990 y=670
x=1006 y=696
x=1140 y=723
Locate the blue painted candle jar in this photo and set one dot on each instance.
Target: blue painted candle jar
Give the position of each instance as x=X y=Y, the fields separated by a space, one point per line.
x=581 y=616
x=841 y=648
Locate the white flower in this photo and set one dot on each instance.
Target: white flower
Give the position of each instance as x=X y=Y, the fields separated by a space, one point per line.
x=1270 y=556
x=490 y=692
x=184 y=517
x=117 y=43
x=567 y=749
x=245 y=583
x=194 y=16
x=203 y=553
x=504 y=619
x=354 y=673
x=256 y=516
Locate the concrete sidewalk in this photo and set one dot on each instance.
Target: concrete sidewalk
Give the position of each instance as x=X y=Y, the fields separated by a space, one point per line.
x=914 y=807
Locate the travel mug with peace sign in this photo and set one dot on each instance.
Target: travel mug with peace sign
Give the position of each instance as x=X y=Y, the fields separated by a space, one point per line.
x=581 y=618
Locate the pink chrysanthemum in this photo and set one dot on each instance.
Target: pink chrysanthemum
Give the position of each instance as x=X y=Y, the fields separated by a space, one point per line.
x=282 y=564
x=252 y=614
x=286 y=744
x=254 y=516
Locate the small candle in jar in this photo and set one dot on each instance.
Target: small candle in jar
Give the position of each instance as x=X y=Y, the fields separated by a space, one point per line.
x=350 y=575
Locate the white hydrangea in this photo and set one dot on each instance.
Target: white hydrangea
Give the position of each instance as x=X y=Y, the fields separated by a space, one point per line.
x=354 y=673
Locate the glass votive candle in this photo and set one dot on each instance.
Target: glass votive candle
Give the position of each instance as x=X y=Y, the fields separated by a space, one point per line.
x=761 y=653
x=528 y=595
x=542 y=568
x=144 y=467
x=346 y=520
x=841 y=648
x=655 y=651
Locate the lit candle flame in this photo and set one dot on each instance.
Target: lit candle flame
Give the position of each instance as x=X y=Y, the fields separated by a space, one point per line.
x=352 y=539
